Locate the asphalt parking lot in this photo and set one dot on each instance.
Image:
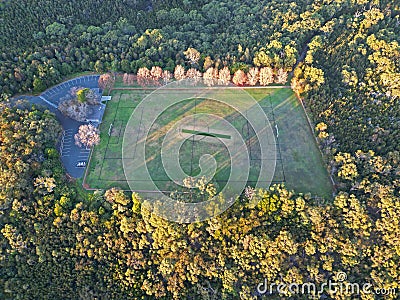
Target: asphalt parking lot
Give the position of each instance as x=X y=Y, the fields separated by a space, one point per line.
x=56 y=93
x=67 y=140
x=67 y=146
x=70 y=153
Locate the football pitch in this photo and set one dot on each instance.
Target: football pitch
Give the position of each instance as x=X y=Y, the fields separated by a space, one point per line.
x=299 y=164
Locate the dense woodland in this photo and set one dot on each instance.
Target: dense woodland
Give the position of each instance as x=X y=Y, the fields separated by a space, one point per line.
x=59 y=242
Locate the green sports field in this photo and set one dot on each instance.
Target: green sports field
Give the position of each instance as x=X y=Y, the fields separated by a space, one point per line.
x=299 y=164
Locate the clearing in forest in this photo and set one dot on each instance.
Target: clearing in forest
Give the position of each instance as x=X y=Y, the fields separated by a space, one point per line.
x=206 y=141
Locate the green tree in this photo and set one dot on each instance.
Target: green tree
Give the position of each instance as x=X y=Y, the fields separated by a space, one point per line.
x=38 y=85
x=81 y=95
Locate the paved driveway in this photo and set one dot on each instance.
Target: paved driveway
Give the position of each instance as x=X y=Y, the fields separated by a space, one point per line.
x=69 y=152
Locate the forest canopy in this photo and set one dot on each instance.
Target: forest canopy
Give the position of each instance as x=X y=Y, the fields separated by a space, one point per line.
x=343 y=58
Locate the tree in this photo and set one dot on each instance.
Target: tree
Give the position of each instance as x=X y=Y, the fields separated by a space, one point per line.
x=81 y=95
x=24 y=133
x=38 y=85
x=224 y=76
x=74 y=109
x=99 y=66
x=45 y=185
x=110 y=246
x=253 y=76
x=193 y=73
x=266 y=76
x=143 y=73
x=92 y=97
x=128 y=79
x=106 y=81
x=166 y=76
x=239 y=78
x=156 y=73
x=290 y=56
x=208 y=63
x=179 y=72
x=261 y=58
x=281 y=76
x=308 y=78
x=296 y=87
x=143 y=76
x=75 y=105
x=192 y=55
x=347 y=167
x=209 y=77
x=56 y=29
x=87 y=136
x=125 y=78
